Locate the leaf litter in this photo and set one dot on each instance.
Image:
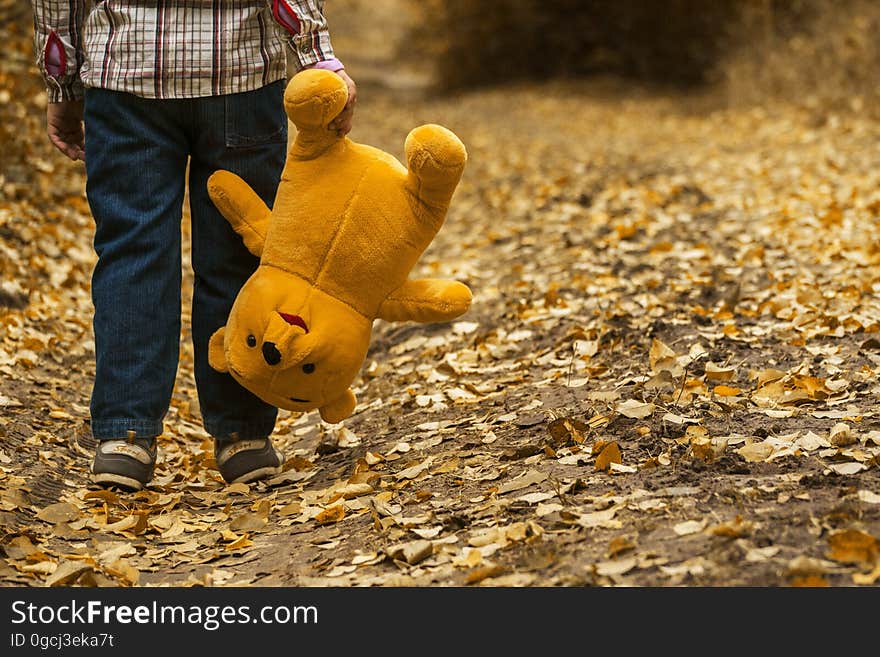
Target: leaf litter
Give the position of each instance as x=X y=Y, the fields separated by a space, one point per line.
x=668 y=375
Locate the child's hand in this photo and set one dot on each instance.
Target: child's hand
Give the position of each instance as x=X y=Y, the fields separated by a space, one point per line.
x=65 y=128
x=342 y=123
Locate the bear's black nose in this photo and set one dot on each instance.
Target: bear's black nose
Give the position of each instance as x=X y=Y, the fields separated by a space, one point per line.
x=271 y=353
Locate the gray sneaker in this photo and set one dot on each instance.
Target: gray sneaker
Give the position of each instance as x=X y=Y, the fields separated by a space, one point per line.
x=125 y=463
x=242 y=461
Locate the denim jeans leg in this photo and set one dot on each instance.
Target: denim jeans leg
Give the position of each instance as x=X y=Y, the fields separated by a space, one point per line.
x=135 y=166
x=245 y=133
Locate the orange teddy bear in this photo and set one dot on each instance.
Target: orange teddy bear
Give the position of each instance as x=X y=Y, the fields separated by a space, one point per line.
x=348 y=224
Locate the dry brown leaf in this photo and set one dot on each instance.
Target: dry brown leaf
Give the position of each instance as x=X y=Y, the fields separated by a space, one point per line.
x=619 y=545
x=853 y=547
x=809 y=581
x=523 y=481
x=867 y=579
x=67 y=572
x=660 y=356
x=716 y=372
x=331 y=514
x=479 y=574
x=609 y=454
x=107 y=496
x=841 y=435
x=58 y=513
x=754 y=452
x=412 y=552
x=732 y=528
x=632 y=408
x=248 y=522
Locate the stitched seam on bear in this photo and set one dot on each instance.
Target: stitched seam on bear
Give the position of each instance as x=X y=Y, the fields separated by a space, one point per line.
x=418 y=301
x=317 y=287
x=346 y=218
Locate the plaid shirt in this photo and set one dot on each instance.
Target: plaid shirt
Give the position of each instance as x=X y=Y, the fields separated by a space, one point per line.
x=176 y=48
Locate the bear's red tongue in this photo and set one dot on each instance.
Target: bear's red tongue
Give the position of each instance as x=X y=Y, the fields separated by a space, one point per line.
x=294 y=320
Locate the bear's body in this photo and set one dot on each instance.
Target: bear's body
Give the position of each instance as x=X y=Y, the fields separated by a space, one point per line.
x=348 y=224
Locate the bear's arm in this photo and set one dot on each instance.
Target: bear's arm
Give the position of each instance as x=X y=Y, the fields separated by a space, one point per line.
x=242 y=208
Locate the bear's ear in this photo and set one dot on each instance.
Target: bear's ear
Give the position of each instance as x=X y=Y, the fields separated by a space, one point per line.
x=216 y=354
x=340 y=408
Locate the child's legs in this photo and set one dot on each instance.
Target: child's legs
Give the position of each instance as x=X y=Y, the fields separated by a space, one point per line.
x=135 y=163
x=245 y=133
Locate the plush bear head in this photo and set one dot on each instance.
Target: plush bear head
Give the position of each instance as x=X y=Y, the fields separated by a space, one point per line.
x=348 y=224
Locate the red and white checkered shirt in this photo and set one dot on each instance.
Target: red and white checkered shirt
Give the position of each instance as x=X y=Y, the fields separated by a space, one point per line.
x=176 y=48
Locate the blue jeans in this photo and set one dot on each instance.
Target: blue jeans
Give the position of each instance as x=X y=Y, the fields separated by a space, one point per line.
x=136 y=158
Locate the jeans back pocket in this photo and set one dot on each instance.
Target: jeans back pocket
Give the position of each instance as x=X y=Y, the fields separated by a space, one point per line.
x=255 y=118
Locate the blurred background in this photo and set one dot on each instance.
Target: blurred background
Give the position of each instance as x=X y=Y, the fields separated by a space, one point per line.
x=807 y=51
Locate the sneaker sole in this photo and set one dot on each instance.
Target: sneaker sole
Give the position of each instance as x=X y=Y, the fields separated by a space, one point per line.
x=117 y=479
x=259 y=473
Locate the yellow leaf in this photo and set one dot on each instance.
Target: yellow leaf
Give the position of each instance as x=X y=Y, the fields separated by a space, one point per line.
x=610 y=454
x=243 y=542
x=618 y=545
x=731 y=529
x=867 y=578
x=635 y=409
x=810 y=581
x=479 y=574
x=471 y=558
x=754 y=452
x=853 y=546
x=726 y=391
x=107 y=496
x=719 y=373
x=841 y=435
x=660 y=356
x=330 y=514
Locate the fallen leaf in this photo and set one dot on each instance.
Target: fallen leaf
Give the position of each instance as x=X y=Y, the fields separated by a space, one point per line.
x=841 y=435
x=633 y=408
x=248 y=522
x=852 y=546
x=660 y=355
x=716 y=372
x=754 y=452
x=847 y=469
x=732 y=528
x=523 y=481
x=19 y=547
x=615 y=567
x=618 y=545
x=58 y=513
x=867 y=579
x=609 y=454
x=479 y=574
x=809 y=581
x=331 y=514
x=412 y=552
x=689 y=527
x=67 y=572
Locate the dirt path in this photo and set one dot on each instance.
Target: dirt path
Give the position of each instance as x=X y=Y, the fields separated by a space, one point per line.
x=668 y=376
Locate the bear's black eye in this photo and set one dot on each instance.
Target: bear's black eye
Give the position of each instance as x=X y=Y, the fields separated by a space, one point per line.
x=251 y=341
x=308 y=368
